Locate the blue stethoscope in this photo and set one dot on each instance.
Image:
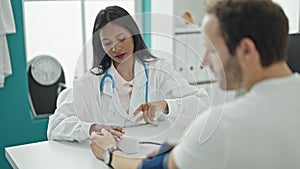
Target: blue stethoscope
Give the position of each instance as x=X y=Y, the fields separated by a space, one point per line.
x=107 y=75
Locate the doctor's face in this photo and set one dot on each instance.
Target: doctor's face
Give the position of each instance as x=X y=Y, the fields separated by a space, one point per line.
x=225 y=66
x=117 y=42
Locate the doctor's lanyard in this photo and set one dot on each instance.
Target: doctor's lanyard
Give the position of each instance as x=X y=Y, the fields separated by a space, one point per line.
x=107 y=75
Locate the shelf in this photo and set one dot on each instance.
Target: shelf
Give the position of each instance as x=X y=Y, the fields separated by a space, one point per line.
x=187 y=29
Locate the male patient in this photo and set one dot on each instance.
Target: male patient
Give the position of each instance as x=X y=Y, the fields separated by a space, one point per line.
x=246 y=47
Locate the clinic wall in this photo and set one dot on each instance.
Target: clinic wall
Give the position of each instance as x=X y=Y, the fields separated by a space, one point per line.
x=16 y=124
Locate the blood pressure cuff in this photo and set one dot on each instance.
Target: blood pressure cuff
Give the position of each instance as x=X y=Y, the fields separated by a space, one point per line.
x=159 y=161
x=156 y=162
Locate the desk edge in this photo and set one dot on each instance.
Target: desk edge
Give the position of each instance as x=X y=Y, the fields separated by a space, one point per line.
x=10 y=160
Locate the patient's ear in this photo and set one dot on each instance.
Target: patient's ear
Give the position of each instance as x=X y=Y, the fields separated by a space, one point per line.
x=247 y=53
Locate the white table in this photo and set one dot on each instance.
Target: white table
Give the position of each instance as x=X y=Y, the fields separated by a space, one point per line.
x=58 y=155
x=53 y=154
x=65 y=155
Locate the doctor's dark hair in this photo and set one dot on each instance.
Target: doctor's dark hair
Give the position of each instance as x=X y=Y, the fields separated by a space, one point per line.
x=260 y=20
x=120 y=17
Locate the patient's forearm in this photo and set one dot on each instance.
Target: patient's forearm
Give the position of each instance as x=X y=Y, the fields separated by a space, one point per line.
x=121 y=160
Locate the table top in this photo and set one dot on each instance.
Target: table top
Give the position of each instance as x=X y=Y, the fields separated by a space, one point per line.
x=59 y=154
x=63 y=154
x=53 y=154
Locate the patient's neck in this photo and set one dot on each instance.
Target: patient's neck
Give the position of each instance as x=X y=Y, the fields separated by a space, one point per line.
x=276 y=70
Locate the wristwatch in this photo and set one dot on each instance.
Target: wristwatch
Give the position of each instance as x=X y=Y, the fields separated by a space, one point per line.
x=108 y=155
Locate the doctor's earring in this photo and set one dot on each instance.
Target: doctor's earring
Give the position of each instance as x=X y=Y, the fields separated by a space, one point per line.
x=101 y=69
x=97 y=70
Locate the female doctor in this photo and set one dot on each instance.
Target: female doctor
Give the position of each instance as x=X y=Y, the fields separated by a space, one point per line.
x=126 y=85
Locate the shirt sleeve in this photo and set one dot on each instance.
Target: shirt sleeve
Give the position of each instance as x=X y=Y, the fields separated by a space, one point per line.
x=204 y=145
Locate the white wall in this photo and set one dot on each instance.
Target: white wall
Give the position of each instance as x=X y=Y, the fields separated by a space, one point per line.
x=166 y=14
x=195 y=7
x=292 y=10
x=162 y=28
x=55 y=28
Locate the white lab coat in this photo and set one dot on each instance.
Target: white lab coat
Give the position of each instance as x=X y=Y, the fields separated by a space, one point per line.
x=82 y=106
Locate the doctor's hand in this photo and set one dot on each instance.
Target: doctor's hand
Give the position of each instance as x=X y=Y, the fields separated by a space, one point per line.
x=148 y=111
x=116 y=131
x=101 y=141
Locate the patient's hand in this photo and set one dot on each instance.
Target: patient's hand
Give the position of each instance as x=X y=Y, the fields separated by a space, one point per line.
x=116 y=131
x=101 y=141
x=97 y=150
